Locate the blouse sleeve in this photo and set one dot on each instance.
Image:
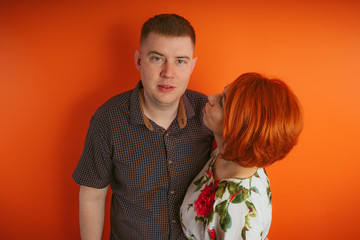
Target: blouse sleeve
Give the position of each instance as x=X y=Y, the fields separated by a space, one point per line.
x=236 y=221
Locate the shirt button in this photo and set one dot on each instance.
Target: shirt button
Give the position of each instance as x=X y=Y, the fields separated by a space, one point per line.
x=170 y=162
x=172 y=192
x=167 y=134
x=174 y=221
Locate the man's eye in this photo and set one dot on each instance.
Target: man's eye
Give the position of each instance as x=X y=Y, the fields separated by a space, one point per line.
x=156 y=58
x=181 y=61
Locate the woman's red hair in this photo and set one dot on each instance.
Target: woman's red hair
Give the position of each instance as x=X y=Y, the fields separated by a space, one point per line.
x=262 y=122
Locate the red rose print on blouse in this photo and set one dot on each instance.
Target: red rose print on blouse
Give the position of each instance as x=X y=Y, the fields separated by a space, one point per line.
x=212 y=233
x=204 y=204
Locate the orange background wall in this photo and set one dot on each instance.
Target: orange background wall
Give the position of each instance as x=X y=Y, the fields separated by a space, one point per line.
x=60 y=61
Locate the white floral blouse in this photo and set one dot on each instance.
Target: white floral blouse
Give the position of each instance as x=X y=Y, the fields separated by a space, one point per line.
x=227 y=209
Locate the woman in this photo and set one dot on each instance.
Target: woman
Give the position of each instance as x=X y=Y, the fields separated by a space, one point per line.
x=256 y=121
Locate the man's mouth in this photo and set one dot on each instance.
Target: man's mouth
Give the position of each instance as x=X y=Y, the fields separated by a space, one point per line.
x=165 y=88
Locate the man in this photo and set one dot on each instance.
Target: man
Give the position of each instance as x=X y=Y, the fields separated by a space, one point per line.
x=147 y=143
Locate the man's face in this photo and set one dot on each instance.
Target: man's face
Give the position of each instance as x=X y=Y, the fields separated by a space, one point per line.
x=165 y=64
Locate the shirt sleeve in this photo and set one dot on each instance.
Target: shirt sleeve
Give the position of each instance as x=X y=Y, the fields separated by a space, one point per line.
x=95 y=165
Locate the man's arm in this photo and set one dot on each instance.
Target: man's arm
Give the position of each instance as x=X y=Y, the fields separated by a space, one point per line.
x=91 y=212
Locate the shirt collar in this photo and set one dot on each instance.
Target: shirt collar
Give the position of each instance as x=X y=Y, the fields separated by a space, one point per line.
x=137 y=115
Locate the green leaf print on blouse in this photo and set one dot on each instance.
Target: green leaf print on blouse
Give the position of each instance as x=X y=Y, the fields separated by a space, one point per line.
x=252 y=213
x=268 y=191
x=212 y=189
x=198 y=183
x=221 y=189
x=225 y=218
x=238 y=194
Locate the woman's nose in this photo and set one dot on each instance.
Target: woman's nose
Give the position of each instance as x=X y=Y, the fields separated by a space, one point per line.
x=211 y=99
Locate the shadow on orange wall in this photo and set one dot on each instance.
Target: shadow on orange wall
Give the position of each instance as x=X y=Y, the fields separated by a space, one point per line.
x=113 y=81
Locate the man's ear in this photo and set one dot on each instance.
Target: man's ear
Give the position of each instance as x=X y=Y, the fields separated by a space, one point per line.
x=137 y=60
x=193 y=63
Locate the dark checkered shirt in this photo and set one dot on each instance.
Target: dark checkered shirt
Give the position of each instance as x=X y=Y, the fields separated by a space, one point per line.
x=147 y=167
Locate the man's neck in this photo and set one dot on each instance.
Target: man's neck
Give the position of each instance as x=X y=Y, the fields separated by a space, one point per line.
x=162 y=116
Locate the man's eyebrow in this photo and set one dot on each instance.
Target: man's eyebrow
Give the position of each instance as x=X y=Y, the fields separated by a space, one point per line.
x=186 y=57
x=162 y=55
x=155 y=52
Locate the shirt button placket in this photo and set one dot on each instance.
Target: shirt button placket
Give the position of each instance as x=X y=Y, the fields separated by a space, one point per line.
x=170 y=165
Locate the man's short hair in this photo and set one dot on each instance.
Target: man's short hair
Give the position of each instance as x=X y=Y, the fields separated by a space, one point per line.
x=262 y=121
x=168 y=25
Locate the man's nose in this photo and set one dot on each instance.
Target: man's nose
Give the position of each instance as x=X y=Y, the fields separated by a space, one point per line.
x=168 y=70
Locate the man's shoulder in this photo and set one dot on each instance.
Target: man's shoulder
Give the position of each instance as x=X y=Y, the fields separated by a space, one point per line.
x=114 y=104
x=194 y=103
x=195 y=96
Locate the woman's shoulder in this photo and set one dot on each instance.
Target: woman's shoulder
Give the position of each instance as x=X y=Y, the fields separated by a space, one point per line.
x=254 y=190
